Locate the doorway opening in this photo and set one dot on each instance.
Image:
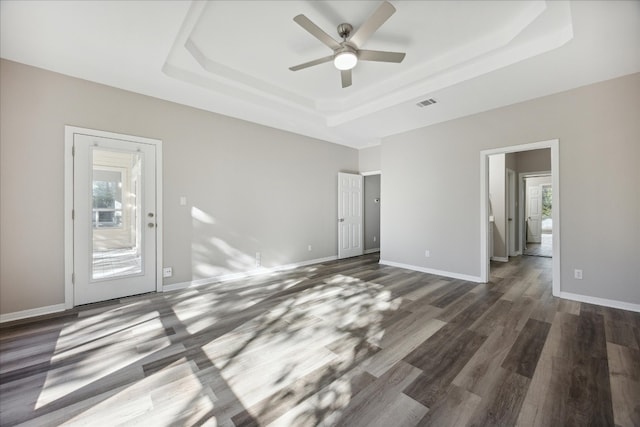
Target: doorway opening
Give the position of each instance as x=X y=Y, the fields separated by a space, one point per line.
x=372 y=183
x=537 y=215
x=490 y=211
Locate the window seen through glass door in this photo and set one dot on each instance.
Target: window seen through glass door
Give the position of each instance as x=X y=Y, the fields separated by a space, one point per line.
x=115 y=214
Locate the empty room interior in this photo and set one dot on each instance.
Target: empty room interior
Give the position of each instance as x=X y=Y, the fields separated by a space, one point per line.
x=303 y=213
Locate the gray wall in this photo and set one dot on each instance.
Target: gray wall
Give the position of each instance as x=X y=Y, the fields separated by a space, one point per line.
x=533 y=161
x=371 y=212
x=432 y=193
x=249 y=188
x=369 y=159
x=510 y=161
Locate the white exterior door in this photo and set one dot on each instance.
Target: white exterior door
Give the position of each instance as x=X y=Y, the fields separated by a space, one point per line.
x=115 y=218
x=350 y=218
x=534 y=213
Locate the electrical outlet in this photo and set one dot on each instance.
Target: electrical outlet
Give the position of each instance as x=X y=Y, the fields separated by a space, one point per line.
x=309 y=248
x=427 y=253
x=183 y=201
x=577 y=274
x=258 y=259
x=167 y=272
x=375 y=238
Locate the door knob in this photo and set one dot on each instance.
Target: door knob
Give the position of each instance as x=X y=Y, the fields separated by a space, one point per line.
x=150 y=214
x=151 y=225
x=340 y=219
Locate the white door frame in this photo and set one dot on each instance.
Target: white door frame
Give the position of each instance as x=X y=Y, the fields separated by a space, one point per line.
x=69 y=132
x=484 y=205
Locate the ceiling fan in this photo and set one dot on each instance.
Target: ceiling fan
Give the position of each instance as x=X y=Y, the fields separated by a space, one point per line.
x=347 y=52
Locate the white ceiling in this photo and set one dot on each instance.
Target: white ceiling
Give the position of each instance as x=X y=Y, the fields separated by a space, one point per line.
x=232 y=57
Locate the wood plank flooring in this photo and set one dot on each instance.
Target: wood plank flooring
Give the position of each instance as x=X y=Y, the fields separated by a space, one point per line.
x=348 y=343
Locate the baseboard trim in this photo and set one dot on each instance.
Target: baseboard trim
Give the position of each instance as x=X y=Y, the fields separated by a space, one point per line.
x=244 y=274
x=33 y=312
x=499 y=259
x=466 y=277
x=601 y=301
x=370 y=251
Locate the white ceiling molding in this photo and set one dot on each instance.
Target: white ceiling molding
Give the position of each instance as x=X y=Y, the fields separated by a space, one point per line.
x=232 y=57
x=460 y=58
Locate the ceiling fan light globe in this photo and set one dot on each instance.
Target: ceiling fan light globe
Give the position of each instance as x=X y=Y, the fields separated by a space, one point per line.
x=345 y=60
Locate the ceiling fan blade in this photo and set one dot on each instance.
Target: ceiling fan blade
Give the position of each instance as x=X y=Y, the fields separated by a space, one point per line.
x=380 y=56
x=374 y=22
x=316 y=31
x=346 y=78
x=312 y=63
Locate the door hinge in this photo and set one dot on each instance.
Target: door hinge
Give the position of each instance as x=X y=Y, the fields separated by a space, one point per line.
x=73 y=278
x=73 y=214
x=73 y=150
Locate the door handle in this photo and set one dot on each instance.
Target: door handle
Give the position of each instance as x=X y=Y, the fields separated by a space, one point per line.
x=151 y=225
x=340 y=219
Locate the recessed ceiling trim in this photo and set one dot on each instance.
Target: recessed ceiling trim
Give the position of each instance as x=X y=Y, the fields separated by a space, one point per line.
x=523 y=47
x=246 y=82
x=148 y=56
x=437 y=73
x=482 y=45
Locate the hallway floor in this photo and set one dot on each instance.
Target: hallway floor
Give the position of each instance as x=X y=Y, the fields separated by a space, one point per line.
x=346 y=342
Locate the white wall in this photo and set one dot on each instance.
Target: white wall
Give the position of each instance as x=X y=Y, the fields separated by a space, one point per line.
x=249 y=188
x=431 y=186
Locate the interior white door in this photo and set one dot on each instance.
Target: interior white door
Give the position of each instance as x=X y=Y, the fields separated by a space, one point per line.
x=534 y=213
x=350 y=218
x=114 y=225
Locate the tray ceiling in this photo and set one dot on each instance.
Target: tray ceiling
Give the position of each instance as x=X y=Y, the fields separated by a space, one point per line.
x=232 y=57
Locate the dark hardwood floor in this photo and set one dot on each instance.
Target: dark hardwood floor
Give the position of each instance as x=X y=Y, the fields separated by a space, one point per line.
x=348 y=343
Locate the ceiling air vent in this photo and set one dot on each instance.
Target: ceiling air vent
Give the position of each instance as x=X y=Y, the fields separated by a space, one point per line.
x=426 y=102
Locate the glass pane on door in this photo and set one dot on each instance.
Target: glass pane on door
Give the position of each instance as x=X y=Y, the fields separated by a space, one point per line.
x=116 y=236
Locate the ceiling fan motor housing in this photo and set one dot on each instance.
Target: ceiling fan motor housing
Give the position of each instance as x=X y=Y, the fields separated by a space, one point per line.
x=347 y=52
x=344 y=30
